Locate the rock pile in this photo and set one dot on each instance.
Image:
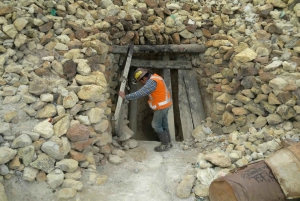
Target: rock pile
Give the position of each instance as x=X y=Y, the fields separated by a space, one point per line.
x=252 y=61
x=221 y=153
x=252 y=70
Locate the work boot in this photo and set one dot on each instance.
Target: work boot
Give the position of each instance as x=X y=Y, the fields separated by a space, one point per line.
x=161 y=148
x=164 y=138
x=170 y=145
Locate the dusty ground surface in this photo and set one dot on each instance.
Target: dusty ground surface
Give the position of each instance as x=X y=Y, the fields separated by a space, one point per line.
x=143 y=175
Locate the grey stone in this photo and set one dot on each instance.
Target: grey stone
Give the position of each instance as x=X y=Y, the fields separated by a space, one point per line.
x=26 y=154
x=67 y=165
x=55 y=178
x=52 y=149
x=6 y=154
x=44 y=163
x=21 y=141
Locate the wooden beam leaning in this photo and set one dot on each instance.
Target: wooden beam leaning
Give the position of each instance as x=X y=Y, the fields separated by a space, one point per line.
x=183 y=48
x=174 y=64
x=118 y=113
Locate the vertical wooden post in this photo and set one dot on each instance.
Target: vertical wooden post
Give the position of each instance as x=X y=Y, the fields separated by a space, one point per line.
x=184 y=107
x=194 y=97
x=167 y=79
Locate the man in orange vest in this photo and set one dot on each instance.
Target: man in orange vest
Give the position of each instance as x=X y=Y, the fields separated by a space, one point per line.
x=159 y=101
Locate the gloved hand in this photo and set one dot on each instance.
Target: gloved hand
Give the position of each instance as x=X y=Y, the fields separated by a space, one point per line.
x=122 y=94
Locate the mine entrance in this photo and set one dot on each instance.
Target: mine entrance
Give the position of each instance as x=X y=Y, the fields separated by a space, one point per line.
x=173 y=63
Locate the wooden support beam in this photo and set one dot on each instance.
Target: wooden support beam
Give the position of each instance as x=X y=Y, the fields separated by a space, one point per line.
x=167 y=79
x=184 y=108
x=183 y=48
x=190 y=102
x=194 y=97
x=174 y=64
x=117 y=118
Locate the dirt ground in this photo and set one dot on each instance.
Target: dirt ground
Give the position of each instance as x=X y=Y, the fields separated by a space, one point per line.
x=143 y=175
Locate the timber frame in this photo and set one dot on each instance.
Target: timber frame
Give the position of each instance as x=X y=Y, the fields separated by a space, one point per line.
x=190 y=104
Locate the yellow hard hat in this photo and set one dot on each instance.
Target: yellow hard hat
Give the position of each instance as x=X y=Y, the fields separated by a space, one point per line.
x=139 y=73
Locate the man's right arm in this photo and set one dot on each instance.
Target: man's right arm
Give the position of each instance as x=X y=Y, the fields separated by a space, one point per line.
x=144 y=91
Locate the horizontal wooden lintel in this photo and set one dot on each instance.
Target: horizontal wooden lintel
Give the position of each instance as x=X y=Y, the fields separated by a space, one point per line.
x=173 y=64
x=184 y=48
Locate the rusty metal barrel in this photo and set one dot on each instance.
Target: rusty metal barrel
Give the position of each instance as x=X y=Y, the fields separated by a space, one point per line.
x=254 y=183
x=285 y=165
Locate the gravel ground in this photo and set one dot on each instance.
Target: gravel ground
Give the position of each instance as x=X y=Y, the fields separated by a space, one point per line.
x=143 y=175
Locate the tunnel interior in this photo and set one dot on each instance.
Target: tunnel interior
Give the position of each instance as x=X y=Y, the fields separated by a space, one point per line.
x=139 y=113
x=141 y=118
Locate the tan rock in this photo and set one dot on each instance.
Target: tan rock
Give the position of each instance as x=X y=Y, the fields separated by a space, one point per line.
x=20 y=40
x=184 y=188
x=66 y=194
x=62 y=126
x=14 y=163
x=41 y=176
x=218 y=21
x=262 y=35
x=186 y=34
x=101 y=179
x=83 y=67
x=96 y=78
x=260 y=98
x=70 y=100
x=20 y=23
x=67 y=165
x=115 y=159
x=245 y=56
x=92 y=93
x=70 y=183
x=102 y=126
x=273 y=119
x=227 y=118
x=95 y=115
x=225 y=98
x=219 y=159
x=225 y=43
x=260 y=122
x=9 y=116
x=48 y=111
x=297 y=9
x=239 y=111
x=277 y=3
x=243 y=99
x=6 y=10
x=10 y=30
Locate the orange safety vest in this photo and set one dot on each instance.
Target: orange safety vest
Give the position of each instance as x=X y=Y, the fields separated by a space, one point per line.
x=160 y=98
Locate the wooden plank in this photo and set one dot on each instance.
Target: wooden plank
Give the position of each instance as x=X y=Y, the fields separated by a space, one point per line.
x=183 y=48
x=174 y=64
x=118 y=114
x=167 y=79
x=194 y=97
x=184 y=107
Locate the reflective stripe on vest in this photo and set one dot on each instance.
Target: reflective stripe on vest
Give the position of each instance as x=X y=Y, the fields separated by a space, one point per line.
x=160 y=98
